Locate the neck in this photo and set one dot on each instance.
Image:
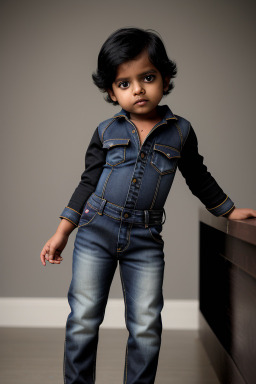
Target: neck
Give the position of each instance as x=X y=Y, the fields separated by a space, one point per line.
x=152 y=117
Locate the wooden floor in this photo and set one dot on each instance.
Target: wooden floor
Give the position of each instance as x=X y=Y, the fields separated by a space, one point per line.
x=34 y=356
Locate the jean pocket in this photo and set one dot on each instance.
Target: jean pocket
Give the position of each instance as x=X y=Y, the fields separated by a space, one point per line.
x=116 y=150
x=165 y=158
x=88 y=215
x=155 y=233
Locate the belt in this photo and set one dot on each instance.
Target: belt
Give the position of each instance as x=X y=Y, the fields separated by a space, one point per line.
x=133 y=216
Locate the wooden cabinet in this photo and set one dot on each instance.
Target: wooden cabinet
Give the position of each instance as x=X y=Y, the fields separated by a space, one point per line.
x=228 y=297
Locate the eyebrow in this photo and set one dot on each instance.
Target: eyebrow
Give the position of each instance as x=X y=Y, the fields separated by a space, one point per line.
x=141 y=74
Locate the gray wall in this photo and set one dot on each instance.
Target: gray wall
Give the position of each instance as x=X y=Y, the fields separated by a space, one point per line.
x=50 y=109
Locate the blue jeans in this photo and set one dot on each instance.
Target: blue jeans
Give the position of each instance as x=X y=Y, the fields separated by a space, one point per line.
x=102 y=240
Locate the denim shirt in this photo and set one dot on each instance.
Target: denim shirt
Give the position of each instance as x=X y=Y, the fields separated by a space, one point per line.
x=135 y=175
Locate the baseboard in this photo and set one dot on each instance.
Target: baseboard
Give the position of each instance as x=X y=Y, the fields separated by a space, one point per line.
x=52 y=312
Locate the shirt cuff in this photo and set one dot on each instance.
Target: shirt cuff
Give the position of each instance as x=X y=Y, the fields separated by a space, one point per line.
x=222 y=209
x=71 y=215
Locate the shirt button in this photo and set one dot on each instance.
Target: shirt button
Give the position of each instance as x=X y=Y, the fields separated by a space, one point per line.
x=126 y=215
x=133 y=131
x=142 y=155
x=134 y=180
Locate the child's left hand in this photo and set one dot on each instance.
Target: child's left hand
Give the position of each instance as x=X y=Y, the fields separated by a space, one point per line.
x=241 y=214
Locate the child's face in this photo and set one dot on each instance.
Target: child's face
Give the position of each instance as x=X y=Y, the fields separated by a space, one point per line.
x=138 y=87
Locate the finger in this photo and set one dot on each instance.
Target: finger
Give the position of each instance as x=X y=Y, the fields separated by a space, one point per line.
x=57 y=255
x=42 y=259
x=43 y=254
x=51 y=254
x=55 y=261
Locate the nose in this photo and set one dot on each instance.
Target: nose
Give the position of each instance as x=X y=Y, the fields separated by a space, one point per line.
x=138 y=89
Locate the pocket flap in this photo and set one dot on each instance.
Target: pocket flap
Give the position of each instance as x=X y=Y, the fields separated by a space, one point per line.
x=113 y=142
x=167 y=151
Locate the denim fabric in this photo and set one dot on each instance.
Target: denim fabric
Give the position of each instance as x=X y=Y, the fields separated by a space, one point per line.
x=103 y=240
x=139 y=176
x=150 y=168
x=121 y=222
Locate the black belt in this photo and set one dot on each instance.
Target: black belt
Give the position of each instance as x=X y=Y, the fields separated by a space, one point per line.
x=133 y=216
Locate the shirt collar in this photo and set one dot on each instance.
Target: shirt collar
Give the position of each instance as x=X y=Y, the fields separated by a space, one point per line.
x=164 y=111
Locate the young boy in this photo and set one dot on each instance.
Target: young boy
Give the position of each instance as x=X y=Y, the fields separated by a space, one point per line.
x=118 y=206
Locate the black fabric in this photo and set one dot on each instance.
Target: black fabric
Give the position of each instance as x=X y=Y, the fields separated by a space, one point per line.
x=198 y=178
x=94 y=160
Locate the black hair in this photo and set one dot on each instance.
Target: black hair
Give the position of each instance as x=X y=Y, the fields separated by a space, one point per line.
x=124 y=45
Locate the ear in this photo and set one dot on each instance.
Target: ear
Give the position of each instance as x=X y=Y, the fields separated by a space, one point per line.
x=166 y=83
x=112 y=95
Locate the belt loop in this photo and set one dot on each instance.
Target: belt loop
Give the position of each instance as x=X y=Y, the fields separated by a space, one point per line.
x=146 y=214
x=164 y=216
x=102 y=206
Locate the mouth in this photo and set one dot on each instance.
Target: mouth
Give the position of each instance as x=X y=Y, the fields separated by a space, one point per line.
x=141 y=102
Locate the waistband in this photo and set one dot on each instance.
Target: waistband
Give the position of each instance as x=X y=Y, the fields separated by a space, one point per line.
x=134 y=216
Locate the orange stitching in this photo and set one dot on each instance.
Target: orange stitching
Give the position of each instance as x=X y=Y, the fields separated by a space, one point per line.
x=156 y=191
x=95 y=209
x=106 y=128
x=120 y=162
x=210 y=209
x=172 y=157
x=82 y=225
x=106 y=181
x=111 y=216
x=116 y=205
x=129 y=238
x=119 y=138
x=228 y=211
x=154 y=238
x=162 y=173
x=115 y=117
x=73 y=210
x=166 y=146
x=171 y=118
x=113 y=165
x=110 y=202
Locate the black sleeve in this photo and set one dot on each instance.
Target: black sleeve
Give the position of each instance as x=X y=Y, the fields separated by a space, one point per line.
x=95 y=158
x=199 y=179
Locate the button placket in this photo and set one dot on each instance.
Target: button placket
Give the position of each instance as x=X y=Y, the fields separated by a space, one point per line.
x=137 y=177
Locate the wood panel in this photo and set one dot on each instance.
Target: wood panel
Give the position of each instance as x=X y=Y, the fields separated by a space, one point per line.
x=228 y=303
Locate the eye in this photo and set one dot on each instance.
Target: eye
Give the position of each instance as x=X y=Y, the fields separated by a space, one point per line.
x=123 y=84
x=149 y=78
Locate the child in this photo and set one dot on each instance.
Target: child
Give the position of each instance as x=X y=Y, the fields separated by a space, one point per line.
x=118 y=206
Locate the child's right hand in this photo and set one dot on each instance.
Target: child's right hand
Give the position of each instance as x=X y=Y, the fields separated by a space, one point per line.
x=53 y=248
x=55 y=245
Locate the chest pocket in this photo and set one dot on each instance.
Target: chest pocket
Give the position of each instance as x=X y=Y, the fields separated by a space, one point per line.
x=116 y=150
x=164 y=158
